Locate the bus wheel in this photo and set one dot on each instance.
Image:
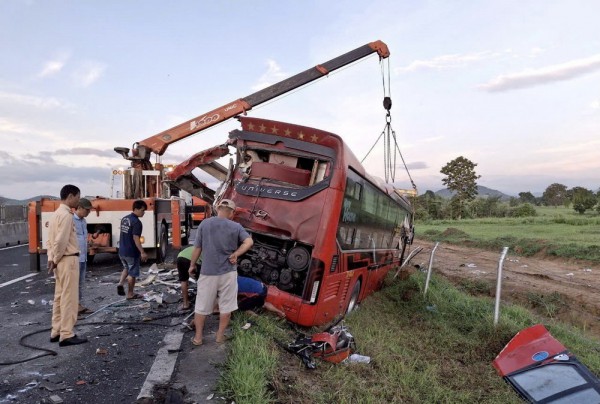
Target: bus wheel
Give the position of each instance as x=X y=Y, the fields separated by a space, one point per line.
x=164 y=243
x=353 y=298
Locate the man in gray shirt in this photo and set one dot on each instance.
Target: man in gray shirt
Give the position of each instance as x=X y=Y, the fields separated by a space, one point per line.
x=221 y=241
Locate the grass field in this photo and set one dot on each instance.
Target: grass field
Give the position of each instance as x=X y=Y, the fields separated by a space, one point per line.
x=554 y=231
x=433 y=349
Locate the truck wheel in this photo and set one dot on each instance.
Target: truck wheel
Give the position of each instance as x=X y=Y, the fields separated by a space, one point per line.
x=164 y=243
x=353 y=298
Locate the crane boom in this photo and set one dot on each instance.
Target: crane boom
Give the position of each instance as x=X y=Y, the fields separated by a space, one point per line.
x=159 y=143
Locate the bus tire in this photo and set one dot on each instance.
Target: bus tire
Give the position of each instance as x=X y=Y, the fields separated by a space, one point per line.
x=164 y=243
x=353 y=302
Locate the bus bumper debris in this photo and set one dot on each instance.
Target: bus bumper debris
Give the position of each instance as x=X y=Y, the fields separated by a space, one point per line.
x=541 y=369
x=334 y=346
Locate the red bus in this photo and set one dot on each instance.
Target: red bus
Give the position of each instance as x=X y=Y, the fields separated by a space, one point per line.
x=325 y=233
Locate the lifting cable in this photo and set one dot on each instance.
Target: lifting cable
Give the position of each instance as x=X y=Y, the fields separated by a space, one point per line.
x=388 y=133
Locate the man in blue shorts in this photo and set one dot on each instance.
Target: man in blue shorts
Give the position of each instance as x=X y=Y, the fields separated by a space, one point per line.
x=221 y=241
x=131 y=251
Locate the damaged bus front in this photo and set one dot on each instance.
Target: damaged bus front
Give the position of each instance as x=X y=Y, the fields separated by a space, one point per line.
x=325 y=233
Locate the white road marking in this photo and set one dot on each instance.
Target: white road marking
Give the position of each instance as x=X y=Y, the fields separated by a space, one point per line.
x=163 y=365
x=17 y=280
x=14 y=246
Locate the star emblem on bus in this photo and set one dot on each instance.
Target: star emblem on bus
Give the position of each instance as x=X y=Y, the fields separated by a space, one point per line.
x=314 y=138
x=301 y=135
x=274 y=129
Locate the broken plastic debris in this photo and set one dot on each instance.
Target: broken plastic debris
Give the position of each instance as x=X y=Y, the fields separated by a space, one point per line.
x=356 y=358
x=471 y=266
x=587 y=270
x=210 y=397
x=31 y=301
x=570 y=274
x=80 y=382
x=246 y=326
x=101 y=351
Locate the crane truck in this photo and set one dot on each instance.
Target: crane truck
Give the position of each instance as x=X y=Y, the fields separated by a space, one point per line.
x=167 y=221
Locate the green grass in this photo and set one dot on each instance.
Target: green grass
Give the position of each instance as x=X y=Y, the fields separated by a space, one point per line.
x=434 y=349
x=558 y=232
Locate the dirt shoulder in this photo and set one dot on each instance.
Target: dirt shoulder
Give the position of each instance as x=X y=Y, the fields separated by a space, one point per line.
x=568 y=290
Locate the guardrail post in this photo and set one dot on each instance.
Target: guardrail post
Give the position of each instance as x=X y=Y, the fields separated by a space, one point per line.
x=499 y=286
x=429 y=269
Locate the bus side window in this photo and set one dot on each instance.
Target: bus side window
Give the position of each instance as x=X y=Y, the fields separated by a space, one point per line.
x=357 y=191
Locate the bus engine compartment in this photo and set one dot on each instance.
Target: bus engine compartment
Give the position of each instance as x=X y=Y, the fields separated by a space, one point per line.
x=283 y=263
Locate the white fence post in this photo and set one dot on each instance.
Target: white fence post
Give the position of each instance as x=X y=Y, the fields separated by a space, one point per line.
x=499 y=286
x=429 y=270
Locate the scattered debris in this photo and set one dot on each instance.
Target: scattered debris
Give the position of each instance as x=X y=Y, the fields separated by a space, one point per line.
x=80 y=382
x=334 y=345
x=101 y=351
x=587 y=270
x=356 y=358
x=210 y=397
x=246 y=326
x=570 y=274
x=56 y=399
x=31 y=301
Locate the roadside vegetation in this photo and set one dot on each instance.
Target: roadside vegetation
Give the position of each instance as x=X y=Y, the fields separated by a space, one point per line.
x=437 y=349
x=553 y=231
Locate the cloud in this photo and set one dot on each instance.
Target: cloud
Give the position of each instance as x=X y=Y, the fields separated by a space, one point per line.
x=38 y=168
x=272 y=76
x=88 y=73
x=35 y=101
x=545 y=75
x=9 y=126
x=416 y=165
x=595 y=105
x=450 y=61
x=54 y=66
x=84 y=151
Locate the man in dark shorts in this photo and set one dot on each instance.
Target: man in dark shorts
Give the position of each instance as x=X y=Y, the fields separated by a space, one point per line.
x=131 y=251
x=252 y=295
x=183 y=266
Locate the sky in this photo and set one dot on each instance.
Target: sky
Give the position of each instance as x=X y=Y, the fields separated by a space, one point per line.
x=514 y=86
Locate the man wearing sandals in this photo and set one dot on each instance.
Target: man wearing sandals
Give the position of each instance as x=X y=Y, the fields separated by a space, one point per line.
x=131 y=251
x=221 y=241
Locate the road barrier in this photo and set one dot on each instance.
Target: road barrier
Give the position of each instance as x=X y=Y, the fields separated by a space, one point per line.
x=13 y=234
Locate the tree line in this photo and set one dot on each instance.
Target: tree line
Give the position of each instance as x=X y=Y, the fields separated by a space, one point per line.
x=461 y=179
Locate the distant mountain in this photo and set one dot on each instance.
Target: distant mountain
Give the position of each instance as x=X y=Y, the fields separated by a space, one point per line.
x=9 y=201
x=482 y=192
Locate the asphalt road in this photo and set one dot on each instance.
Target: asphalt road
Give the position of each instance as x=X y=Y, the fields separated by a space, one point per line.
x=124 y=340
